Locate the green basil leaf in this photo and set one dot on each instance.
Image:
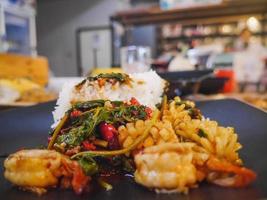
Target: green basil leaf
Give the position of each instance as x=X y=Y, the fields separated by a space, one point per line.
x=88 y=165
x=202 y=133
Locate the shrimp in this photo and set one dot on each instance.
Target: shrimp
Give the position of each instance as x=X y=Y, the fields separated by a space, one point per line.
x=167 y=166
x=180 y=166
x=220 y=171
x=36 y=170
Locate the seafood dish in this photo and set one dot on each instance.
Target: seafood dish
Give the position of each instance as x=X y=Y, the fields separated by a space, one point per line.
x=124 y=124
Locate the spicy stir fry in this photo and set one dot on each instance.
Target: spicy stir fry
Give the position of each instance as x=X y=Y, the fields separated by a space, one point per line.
x=93 y=126
x=170 y=146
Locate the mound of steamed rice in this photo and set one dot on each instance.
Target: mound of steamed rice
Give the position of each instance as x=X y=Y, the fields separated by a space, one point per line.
x=146 y=87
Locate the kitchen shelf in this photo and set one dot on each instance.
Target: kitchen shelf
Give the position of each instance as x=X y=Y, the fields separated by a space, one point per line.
x=155 y=15
x=230 y=12
x=206 y=36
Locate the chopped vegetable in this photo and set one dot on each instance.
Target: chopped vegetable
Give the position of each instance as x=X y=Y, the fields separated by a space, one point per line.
x=79 y=86
x=194 y=113
x=187 y=106
x=202 y=133
x=89 y=105
x=117 y=76
x=56 y=132
x=128 y=165
x=86 y=117
x=101 y=143
x=134 y=101
x=126 y=150
x=102 y=78
x=148 y=112
x=75 y=113
x=88 y=146
x=80 y=180
x=88 y=165
x=104 y=184
x=74 y=137
x=109 y=133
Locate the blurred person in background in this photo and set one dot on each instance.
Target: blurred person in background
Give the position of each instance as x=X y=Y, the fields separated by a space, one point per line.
x=243 y=40
x=263 y=79
x=249 y=60
x=180 y=62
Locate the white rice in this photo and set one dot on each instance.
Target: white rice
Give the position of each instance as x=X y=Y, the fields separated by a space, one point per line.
x=149 y=93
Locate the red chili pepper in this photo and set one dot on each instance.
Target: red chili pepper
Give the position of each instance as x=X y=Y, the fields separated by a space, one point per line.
x=134 y=101
x=75 y=113
x=109 y=133
x=79 y=180
x=88 y=146
x=107 y=130
x=101 y=82
x=148 y=112
x=135 y=112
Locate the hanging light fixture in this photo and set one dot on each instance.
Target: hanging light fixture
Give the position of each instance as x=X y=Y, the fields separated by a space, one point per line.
x=253 y=24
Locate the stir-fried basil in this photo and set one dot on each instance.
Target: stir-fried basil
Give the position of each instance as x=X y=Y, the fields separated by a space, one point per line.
x=88 y=105
x=110 y=77
x=127 y=114
x=116 y=76
x=88 y=165
x=202 y=133
x=187 y=106
x=193 y=112
x=128 y=164
x=92 y=113
x=94 y=165
x=74 y=137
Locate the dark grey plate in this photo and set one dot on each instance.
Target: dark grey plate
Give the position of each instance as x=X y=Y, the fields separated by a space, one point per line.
x=28 y=127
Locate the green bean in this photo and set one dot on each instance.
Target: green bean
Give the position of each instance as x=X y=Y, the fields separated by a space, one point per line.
x=57 y=130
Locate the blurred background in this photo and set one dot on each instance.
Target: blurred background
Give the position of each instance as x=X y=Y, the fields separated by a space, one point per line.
x=206 y=49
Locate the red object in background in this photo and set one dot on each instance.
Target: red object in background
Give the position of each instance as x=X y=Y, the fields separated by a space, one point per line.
x=229 y=85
